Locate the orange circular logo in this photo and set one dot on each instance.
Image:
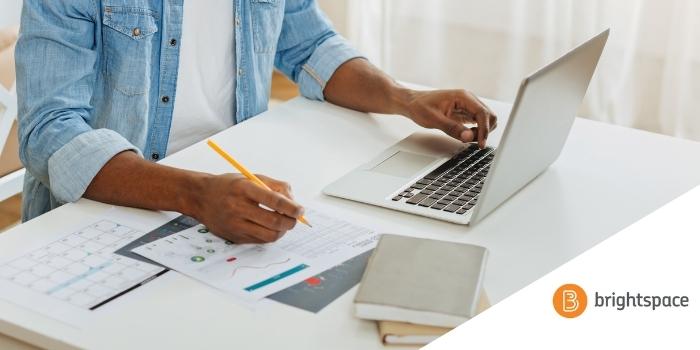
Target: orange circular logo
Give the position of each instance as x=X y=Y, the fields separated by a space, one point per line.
x=570 y=300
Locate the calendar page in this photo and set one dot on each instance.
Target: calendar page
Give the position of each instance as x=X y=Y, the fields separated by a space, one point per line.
x=81 y=268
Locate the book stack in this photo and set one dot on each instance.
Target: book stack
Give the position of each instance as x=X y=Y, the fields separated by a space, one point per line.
x=403 y=333
x=419 y=289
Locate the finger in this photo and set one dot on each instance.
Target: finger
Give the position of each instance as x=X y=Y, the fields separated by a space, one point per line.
x=468 y=118
x=482 y=127
x=493 y=122
x=475 y=98
x=463 y=116
x=492 y=119
x=243 y=239
x=451 y=127
x=274 y=201
x=238 y=236
x=466 y=101
x=269 y=219
x=474 y=131
x=277 y=185
x=250 y=232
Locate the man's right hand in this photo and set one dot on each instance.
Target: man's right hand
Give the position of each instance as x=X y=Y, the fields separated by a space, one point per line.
x=230 y=206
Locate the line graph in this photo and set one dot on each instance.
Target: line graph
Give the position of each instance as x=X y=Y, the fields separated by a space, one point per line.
x=252 y=267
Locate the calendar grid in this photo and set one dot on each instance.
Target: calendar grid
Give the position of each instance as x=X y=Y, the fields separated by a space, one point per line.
x=81 y=268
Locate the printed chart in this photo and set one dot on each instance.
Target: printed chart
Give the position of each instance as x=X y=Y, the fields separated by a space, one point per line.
x=80 y=268
x=253 y=271
x=316 y=292
x=312 y=294
x=234 y=268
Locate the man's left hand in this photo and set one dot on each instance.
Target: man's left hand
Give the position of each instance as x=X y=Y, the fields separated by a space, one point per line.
x=451 y=111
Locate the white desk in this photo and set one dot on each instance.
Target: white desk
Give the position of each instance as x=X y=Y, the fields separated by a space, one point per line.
x=606 y=178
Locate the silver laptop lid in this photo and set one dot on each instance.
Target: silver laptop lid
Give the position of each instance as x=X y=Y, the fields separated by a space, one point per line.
x=542 y=116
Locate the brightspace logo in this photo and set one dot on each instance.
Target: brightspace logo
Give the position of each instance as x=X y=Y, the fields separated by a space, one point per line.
x=570 y=300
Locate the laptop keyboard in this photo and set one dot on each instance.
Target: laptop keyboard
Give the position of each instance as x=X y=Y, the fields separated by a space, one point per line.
x=455 y=185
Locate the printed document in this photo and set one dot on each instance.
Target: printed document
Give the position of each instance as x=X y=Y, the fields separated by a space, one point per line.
x=253 y=271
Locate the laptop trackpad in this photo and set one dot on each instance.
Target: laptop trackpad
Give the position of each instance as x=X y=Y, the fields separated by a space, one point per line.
x=403 y=164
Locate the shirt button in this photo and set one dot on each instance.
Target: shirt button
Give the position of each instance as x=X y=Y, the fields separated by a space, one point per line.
x=165 y=99
x=240 y=71
x=155 y=156
x=238 y=22
x=136 y=31
x=173 y=42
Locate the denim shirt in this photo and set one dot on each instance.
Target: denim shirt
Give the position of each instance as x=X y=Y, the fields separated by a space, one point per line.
x=98 y=77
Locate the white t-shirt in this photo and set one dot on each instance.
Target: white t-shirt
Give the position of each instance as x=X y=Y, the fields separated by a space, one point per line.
x=205 y=95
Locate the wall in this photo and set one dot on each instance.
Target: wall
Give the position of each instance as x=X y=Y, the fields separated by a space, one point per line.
x=9 y=12
x=337 y=12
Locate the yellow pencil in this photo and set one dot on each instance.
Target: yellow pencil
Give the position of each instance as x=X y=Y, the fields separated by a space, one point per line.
x=245 y=172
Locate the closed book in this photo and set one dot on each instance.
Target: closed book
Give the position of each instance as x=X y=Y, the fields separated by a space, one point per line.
x=421 y=281
x=401 y=333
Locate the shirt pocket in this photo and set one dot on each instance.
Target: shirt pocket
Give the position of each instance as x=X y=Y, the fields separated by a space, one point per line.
x=128 y=43
x=267 y=16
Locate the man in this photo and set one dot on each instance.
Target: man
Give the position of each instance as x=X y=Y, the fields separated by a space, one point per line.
x=103 y=84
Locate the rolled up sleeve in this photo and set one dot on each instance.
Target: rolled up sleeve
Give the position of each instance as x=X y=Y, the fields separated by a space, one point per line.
x=58 y=145
x=75 y=164
x=309 y=50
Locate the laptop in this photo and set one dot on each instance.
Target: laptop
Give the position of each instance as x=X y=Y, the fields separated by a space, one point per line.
x=439 y=177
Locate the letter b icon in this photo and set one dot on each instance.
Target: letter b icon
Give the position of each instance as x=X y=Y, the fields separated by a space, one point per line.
x=570 y=300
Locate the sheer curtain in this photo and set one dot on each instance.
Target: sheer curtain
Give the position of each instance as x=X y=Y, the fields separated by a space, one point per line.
x=648 y=77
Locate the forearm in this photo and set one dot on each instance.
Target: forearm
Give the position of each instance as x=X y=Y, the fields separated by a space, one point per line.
x=129 y=180
x=229 y=205
x=359 y=85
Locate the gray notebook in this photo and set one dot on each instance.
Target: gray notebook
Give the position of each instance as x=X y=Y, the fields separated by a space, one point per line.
x=421 y=281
